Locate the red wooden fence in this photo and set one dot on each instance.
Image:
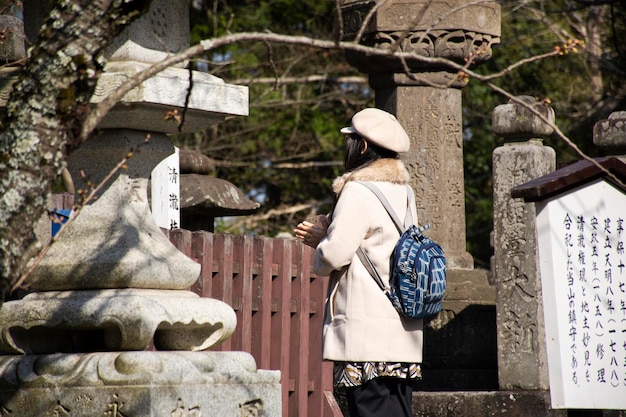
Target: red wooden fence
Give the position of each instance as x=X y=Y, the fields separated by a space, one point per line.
x=279 y=305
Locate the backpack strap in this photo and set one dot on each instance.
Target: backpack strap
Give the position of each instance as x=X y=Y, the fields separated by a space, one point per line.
x=367 y=263
x=408 y=218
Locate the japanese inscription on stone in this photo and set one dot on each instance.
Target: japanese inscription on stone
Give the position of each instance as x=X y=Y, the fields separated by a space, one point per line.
x=582 y=258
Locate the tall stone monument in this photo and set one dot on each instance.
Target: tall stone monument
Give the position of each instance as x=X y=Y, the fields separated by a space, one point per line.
x=111 y=328
x=522 y=361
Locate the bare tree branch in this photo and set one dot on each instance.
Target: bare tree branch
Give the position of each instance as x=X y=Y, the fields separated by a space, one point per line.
x=350 y=79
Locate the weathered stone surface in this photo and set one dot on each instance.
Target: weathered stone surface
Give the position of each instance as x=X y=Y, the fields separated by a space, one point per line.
x=163 y=103
x=512 y=120
x=432 y=118
x=83 y=321
x=485 y=404
x=115 y=242
x=194 y=162
x=150 y=384
x=403 y=15
x=12 y=47
x=522 y=351
x=211 y=197
x=470 y=287
x=159 y=33
x=8 y=76
x=611 y=133
x=454 y=30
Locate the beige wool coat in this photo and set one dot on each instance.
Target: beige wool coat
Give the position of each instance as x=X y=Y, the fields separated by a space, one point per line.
x=360 y=323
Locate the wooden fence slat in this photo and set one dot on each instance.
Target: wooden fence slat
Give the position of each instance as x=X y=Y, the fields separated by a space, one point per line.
x=281 y=328
x=242 y=291
x=322 y=371
x=237 y=291
x=182 y=240
x=296 y=334
x=331 y=408
x=262 y=292
x=202 y=252
x=223 y=279
x=304 y=357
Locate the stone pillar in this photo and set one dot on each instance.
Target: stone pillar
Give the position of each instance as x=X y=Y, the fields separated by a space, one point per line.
x=112 y=328
x=427 y=98
x=522 y=355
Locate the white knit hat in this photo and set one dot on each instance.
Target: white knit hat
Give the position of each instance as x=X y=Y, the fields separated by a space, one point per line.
x=380 y=128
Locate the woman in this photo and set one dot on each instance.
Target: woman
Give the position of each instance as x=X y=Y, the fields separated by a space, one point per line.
x=377 y=353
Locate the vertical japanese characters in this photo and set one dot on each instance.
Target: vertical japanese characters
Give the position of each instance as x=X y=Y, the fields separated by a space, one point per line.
x=595 y=277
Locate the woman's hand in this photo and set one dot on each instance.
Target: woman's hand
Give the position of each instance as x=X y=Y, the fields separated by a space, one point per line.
x=312 y=233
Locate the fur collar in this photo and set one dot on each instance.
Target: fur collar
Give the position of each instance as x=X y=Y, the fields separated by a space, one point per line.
x=385 y=169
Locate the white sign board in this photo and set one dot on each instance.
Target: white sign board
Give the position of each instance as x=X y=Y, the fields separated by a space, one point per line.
x=583 y=274
x=165 y=192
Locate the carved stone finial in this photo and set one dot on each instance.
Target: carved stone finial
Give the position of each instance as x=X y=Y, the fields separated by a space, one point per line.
x=611 y=133
x=515 y=121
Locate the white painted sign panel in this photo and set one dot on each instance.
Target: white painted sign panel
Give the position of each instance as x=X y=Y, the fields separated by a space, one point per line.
x=165 y=192
x=583 y=274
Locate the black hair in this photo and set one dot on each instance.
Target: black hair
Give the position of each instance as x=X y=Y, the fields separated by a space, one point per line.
x=354 y=159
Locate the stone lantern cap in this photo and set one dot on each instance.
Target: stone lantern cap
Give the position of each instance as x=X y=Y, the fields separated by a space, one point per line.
x=213 y=197
x=193 y=104
x=572 y=176
x=204 y=195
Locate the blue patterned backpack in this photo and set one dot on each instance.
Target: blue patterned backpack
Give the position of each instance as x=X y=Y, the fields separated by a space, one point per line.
x=417 y=277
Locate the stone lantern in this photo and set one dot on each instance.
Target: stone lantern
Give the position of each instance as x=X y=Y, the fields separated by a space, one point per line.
x=112 y=328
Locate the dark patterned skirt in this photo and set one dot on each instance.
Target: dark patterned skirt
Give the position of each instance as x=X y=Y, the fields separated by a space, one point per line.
x=352 y=374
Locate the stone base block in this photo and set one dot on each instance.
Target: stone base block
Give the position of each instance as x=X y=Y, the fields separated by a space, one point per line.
x=460 y=342
x=484 y=404
x=138 y=384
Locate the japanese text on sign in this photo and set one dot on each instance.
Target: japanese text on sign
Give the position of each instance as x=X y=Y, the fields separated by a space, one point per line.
x=583 y=273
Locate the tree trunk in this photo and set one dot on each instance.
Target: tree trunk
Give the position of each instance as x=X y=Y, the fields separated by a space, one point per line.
x=595 y=18
x=45 y=114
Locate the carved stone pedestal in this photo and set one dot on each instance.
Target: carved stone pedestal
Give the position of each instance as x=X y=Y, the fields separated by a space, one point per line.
x=140 y=384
